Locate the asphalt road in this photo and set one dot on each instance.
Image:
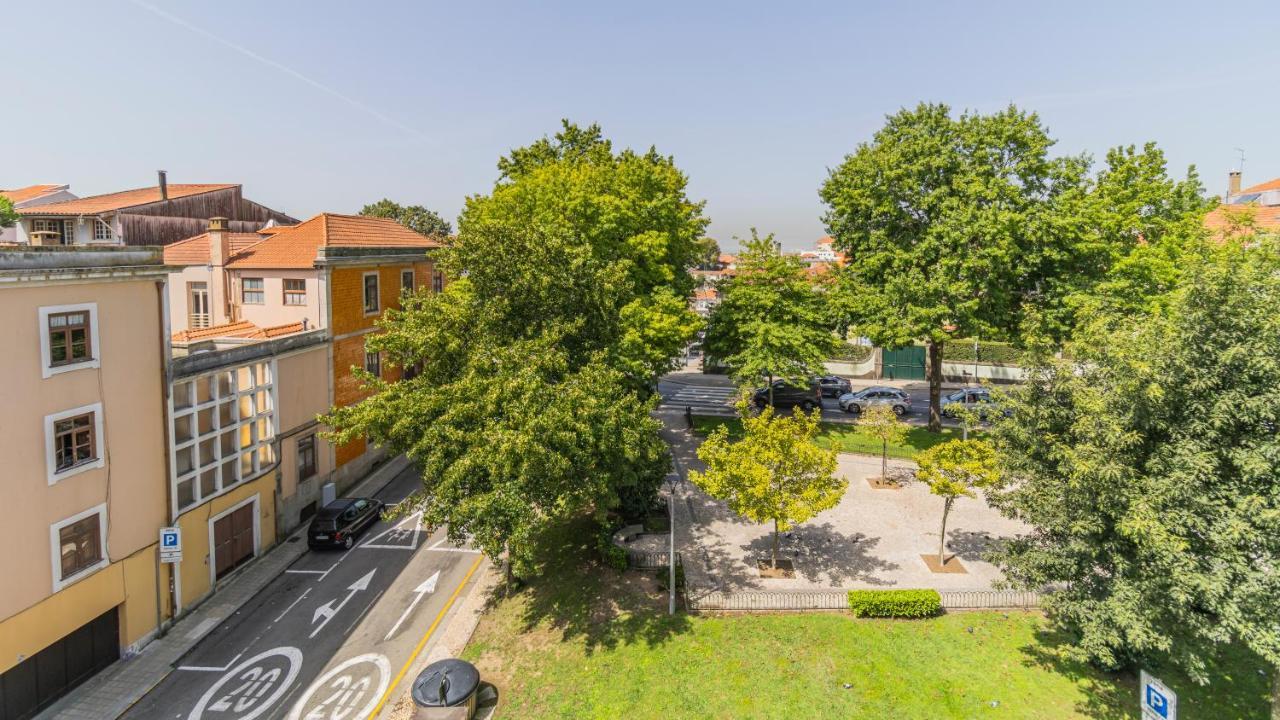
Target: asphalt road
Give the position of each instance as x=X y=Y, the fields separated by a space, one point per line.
x=331 y=638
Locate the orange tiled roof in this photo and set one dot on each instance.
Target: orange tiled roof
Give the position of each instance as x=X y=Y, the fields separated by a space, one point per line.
x=241 y=329
x=278 y=330
x=18 y=195
x=195 y=250
x=119 y=200
x=1224 y=218
x=1262 y=187
x=298 y=246
x=272 y=230
x=705 y=294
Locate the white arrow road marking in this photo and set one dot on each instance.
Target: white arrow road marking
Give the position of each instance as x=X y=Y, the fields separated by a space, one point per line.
x=328 y=610
x=426 y=588
x=209 y=668
x=397 y=533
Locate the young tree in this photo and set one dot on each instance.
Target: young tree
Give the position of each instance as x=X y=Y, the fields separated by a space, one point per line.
x=775 y=472
x=1147 y=470
x=708 y=253
x=953 y=470
x=882 y=423
x=8 y=216
x=415 y=217
x=770 y=321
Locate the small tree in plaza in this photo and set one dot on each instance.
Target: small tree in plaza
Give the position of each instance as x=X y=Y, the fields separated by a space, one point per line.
x=775 y=472
x=954 y=470
x=882 y=423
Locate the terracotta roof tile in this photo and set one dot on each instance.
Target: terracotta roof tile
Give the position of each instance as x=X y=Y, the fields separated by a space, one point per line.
x=298 y=246
x=119 y=200
x=18 y=195
x=195 y=250
x=1224 y=219
x=278 y=330
x=1262 y=187
x=241 y=329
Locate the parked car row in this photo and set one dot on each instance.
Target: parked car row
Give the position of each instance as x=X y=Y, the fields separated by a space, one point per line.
x=855 y=403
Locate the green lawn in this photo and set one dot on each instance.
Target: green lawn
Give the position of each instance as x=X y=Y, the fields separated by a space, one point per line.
x=847 y=438
x=583 y=642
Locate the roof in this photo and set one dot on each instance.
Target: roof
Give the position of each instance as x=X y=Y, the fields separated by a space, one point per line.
x=31 y=192
x=1262 y=187
x=195 y=250
x=728 y=259
x=298 y=246
x=241 y=329
x=705 y=294
x=1224 y=219
x=96 y=204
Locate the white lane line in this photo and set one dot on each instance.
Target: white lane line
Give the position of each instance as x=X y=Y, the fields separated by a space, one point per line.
x=363 y=612
x=467 y=551
x=307 y=572
x=205 y=668
x=426 y=588
x=295 y=602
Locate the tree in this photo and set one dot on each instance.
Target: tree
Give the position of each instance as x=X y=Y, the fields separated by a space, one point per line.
x=708 y=253
x=775 y=472
x=415 y=217
x=883 y=424
x=939 y=217
x=953 y=470
x=770 y=321
x=1146 y=468
x=8 y=216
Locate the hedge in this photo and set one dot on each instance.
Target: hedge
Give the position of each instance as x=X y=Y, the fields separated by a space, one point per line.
x=997 y=353
x=895 y=603
x=853 y=353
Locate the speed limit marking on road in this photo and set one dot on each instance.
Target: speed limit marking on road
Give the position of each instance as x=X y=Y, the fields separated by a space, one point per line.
x=250 y=688
x=349 y=690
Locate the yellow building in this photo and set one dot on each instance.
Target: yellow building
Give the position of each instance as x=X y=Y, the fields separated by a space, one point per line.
x=83 y=447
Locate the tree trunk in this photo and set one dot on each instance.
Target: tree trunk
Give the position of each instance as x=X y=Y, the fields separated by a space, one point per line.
x=510 y=577
x=942 y=534
x=933 y=373
x=774 y=562
x=884 y=459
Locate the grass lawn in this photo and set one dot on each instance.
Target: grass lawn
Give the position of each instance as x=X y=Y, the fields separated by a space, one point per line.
x=847 y=438
x=581 y=641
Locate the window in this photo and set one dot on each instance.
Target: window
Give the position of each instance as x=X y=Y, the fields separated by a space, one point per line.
x=370 y=293
x=78 y=546
x=373 y=363
x=406 y=281
x=295 y=292
x=437 y=282
x=306 y=457
x=197 y=305
x=73 y=441
x=69 y=338
x=251 y=291
x=64 y=230
x=101 y=230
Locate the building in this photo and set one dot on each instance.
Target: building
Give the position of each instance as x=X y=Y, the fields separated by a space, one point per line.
x=1246 y=210
x=156 y=215
x=84 y=464
x=31 y=196
x=269 y=325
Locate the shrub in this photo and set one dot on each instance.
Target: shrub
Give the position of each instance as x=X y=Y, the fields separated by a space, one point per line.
x=895 y=603
x=616 y=558
x=996 y=353
x=850 y=352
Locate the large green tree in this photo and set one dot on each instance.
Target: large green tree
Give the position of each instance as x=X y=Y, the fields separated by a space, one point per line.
x=1147 y=470
x=770 y=321
x=8 y=216
x=415 y=217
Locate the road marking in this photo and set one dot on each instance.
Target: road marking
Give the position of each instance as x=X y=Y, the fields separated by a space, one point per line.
x=423 y=642
x=308 y=572
x=207 y=668
x=348 y=690
x=327 y=610
x=360 y=615
x=426 y=588
x=260 y=683
x=295 y=602
x=397 y=532
x=456 y=548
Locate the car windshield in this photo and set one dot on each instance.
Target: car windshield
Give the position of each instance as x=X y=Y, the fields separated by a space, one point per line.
x=958 y=395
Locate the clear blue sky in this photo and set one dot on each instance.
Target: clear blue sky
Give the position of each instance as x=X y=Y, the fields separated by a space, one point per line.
x=328 y=105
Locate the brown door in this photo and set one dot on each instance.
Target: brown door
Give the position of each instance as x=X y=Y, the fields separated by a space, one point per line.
x=232 y=540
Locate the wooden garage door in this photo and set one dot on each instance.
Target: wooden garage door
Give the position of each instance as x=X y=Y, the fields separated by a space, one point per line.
x=232 y=540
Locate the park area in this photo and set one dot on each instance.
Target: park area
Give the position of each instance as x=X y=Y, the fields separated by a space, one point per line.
x=583 y=641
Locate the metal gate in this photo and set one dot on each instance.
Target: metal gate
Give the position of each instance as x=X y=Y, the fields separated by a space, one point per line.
x=36 y=682
x=233 y=540
x=903 y=364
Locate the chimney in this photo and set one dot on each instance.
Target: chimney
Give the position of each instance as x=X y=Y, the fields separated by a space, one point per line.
x=164 y=185
x=1233 y=183
x=219 y=242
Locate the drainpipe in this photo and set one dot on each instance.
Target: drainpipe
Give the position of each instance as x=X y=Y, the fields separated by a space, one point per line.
x=161 y=302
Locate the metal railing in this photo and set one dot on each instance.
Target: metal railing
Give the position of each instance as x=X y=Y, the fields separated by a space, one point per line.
x=771 y=600
x=640 y=560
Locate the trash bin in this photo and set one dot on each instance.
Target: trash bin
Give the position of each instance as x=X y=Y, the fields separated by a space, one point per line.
x=447 y=683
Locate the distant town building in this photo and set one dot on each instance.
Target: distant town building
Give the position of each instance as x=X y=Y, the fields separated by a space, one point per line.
x=31 y=196
x=1243 y=210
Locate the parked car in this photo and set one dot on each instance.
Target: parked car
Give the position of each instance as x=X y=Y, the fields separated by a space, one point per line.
x=341 y=521
x=978 y=397
x=786 y=395
x=855 y=403
x=833 y=386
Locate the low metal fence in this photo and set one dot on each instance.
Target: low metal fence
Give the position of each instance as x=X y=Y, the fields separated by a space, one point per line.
x=640 y=560
x=772 y=600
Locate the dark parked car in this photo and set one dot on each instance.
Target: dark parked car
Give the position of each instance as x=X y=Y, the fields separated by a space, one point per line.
x=785 y=395
x=856 y=403
x=338 y=523
x=833 y=386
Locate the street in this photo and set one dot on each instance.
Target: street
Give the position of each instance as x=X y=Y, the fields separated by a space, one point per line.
x=333 y=637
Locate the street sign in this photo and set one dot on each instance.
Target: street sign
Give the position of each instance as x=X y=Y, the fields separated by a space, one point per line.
x=1158 y=701
x=170 y=545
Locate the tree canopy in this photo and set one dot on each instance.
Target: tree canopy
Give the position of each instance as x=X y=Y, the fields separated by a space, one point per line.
x=8 y=216
x=1147 y=469
x=415 y=217
x=956 y=469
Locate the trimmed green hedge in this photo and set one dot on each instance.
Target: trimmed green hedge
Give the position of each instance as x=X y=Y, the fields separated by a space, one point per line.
x=997 y=353
x=849 y=352
x=895 y=603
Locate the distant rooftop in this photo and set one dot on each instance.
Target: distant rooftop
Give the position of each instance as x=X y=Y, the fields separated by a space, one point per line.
x=110 y=202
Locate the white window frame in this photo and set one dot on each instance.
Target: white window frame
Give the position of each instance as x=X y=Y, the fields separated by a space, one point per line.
x=51 y=449
x=55 y=547
x=46 y=371
x=377 y=286
x=244 y=290
x=102 y=231
x=257 y=534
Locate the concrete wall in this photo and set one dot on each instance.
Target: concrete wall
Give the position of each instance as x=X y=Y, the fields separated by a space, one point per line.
x=965 y=372
x=196 y=580
x=302 y=387
x=273 y=311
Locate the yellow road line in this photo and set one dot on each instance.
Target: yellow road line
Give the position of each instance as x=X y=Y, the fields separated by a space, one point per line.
x=423 y=642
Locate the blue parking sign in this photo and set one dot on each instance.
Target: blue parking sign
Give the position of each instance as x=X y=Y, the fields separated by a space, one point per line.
x=170 y=545
x=1158 y=701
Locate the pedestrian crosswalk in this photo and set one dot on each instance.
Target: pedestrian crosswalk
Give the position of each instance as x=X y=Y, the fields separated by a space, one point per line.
x=703 y=400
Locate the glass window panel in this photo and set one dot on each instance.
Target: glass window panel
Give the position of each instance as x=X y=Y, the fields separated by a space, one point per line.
x=264 y=429
x=226 y=415
x=182 y=395
x=206 y=451
x=224 y=383
x=186 y=493
x=265 y=456
x=246 y=406
x=203 y=390
x=244 y=378
x=205 y=421
x=229 y=476
x=208 y=482
x=246 y=435
x=185 y=461
x=261 y=402
x=182 y=430
x=228 y=443
x=246 y=465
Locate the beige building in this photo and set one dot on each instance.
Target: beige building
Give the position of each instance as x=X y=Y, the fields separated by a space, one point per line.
x=83 y=448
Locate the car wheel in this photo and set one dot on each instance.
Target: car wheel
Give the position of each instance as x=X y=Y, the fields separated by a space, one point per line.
x=853 y=409
x=899 y=410
x=348 y=543
x=807 y=405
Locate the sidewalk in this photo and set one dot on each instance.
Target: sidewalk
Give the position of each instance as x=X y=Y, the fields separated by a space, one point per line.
x=113 y=691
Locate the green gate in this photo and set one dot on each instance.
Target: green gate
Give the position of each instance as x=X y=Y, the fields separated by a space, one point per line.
x=903 y=364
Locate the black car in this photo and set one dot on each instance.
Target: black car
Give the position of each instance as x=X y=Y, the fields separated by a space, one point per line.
x=833 y=386
x=338 y=523
x=786 y=395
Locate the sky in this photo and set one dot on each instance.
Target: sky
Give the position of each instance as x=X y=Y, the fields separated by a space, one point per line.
x=315 y=105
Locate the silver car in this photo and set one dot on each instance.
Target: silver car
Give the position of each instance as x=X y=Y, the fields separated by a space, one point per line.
x=855 y=402
x=976 y=397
